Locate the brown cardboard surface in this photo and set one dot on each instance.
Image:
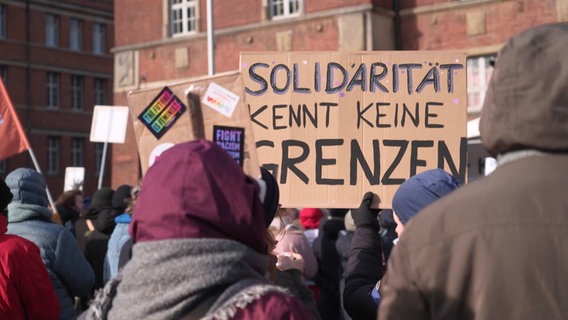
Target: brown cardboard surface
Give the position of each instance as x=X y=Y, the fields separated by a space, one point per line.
x=197 y=121
x=333 y=125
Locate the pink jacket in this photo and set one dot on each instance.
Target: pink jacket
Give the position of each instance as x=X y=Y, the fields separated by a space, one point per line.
x=294 y=240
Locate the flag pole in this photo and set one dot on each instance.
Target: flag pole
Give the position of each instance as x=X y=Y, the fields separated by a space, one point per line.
x=103 y=160
x=36 y=165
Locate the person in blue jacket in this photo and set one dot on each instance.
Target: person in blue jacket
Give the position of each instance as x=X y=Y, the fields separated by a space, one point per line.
x=29 y=217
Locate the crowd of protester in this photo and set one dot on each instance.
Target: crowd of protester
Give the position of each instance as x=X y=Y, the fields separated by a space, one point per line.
x=199 y=239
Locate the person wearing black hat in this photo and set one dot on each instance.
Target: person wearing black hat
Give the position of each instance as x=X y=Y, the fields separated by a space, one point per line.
x=329 y=264
x=99 y=217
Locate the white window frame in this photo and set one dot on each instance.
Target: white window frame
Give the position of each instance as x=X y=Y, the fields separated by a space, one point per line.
x=77 y=152
x=282 y=9
x=52 y=86
x=479 y=70
x=2 y=21
x=51 y=30
x=100 y=91
x=75 y=34
x=99 y=38
x=76 y=92
x=183 y=17
x=53 y=144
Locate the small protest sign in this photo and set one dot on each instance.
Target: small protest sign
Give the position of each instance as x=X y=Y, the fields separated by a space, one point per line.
x=216 y=111
x=231 y=140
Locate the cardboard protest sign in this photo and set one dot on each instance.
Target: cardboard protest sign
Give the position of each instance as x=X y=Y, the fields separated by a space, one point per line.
x=333 y=125
x=212 y=108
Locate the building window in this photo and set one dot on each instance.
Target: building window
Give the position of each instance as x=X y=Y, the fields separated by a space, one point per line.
x=75 y=34
x=2 y=21
x=285 y=8
x=77 y=152
x=479 y=70
x=51 y=30
x=53 y=155
x=100 y=91
x=99 y=38
x=3 y=73
x=183 y=17
x=52 y=90
x=76 y=92
x=98 y=157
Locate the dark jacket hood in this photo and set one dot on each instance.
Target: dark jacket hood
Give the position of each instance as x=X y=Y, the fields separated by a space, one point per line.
x=121 y=197
x=526 y=105
x=195 y=190
x=102 y=200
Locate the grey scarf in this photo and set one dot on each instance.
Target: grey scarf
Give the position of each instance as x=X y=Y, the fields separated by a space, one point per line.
x=18 y=212
x=168 y=279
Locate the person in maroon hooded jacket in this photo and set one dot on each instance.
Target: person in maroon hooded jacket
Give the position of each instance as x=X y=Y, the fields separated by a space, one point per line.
x=26 y=291
x=199 y=249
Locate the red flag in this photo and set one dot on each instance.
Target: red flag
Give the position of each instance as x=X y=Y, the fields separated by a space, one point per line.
x=13 y=139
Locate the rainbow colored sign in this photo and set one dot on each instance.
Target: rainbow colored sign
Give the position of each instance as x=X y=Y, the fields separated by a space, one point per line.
x=162 y=112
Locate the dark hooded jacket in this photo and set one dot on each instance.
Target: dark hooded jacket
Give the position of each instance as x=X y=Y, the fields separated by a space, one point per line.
x=366 y=256
x=101 y=214
x=496 y=248
x=196 y=211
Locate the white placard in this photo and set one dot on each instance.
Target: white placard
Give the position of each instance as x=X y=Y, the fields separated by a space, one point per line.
x=109 y=124
x=74 y=176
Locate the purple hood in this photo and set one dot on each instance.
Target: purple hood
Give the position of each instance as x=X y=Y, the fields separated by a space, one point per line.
x=195 y=190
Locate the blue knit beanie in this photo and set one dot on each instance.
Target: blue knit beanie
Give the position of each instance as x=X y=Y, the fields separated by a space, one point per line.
x=421 y=190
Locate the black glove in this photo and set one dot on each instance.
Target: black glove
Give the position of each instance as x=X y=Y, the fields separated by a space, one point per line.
x=364 y=216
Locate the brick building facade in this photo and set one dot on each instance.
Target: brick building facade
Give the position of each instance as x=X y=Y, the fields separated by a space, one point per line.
x=153 y=47
x=56 y=64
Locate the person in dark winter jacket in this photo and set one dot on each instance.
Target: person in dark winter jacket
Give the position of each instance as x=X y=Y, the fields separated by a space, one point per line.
x=366 y=264
x=100 y=217
x=30 y=218
x=496 y=248
x=101 y=201
x=26 y=292
x=199 y=245
x=387 y=226
x=342 y=245
x=329 y=266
